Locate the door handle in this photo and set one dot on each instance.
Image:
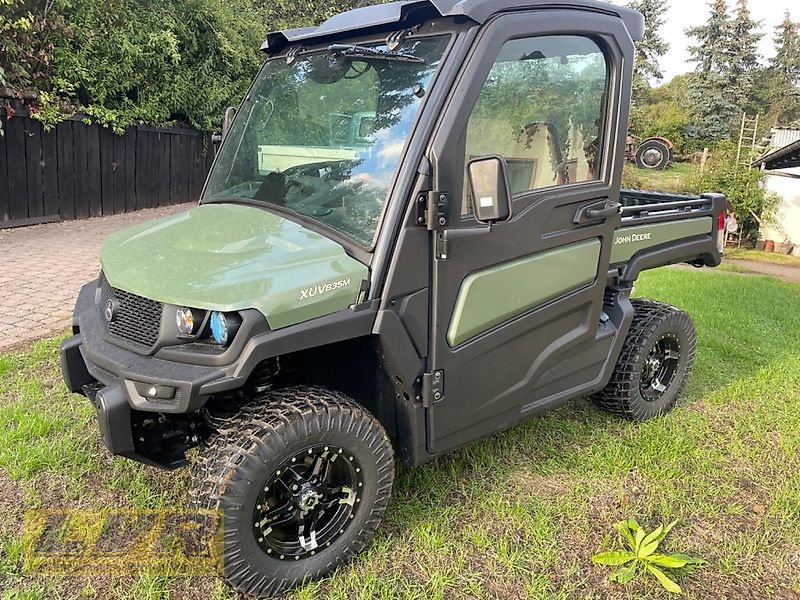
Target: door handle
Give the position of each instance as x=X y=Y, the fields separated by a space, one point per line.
x=597 y=211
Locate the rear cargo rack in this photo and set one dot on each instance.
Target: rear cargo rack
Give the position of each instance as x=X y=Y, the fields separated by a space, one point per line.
x=638 y=205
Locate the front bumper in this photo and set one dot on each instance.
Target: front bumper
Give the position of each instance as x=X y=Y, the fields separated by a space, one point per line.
x=88 y=356
x=108 y=374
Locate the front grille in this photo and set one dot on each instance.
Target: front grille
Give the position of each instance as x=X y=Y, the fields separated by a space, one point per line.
x=136 y=319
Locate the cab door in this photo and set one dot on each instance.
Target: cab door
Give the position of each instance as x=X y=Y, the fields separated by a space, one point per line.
x=516 y=320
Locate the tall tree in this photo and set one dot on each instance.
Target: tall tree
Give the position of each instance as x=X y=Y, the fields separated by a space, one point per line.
x=784 y=95
x=743 y=56
x=651 y=48
x=710 y=90
x=787 y=46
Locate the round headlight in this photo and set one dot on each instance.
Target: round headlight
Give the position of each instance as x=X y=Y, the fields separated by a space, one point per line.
x=184 y=319
x=224 y=326
x=219 y=328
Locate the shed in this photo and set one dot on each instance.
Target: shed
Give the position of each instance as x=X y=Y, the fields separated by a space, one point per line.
x=783 y=136
x=783 y=178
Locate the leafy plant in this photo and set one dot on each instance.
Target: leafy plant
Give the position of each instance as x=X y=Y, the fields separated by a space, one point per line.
x=669 y=119
x=641 y=557
x=750 y=200
x=124 y=62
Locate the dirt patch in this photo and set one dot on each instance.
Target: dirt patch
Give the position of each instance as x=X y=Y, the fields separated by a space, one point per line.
x=10 y=507
x=785 y=272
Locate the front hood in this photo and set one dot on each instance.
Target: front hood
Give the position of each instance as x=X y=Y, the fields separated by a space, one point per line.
x=232 y=257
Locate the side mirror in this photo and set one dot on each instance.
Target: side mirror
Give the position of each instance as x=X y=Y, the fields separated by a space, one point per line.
x=227 y=119
x=491 y=192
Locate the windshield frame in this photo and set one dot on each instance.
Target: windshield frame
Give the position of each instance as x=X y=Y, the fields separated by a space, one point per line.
x=360 y=251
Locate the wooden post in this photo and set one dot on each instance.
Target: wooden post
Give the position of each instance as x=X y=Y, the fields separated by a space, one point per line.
x=704 y=160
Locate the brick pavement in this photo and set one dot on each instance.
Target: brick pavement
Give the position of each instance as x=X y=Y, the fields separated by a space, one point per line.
x=43 y=267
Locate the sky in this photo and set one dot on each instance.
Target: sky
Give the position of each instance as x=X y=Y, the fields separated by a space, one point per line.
x=689 y=13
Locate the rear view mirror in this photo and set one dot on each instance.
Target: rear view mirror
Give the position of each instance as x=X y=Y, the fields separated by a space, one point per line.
x=491 y=192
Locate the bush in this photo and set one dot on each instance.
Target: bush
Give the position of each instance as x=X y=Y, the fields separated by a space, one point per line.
x=122 y=62
x=26 y=42
x=742 y=186
x=664 y=119
x=156 y=61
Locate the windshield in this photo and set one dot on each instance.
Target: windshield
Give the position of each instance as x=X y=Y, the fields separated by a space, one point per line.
x=323 y=136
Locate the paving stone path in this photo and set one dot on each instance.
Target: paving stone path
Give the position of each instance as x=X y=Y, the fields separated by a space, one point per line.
x=43 y=267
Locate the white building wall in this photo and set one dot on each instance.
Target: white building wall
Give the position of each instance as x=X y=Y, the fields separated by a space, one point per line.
x=787 y=223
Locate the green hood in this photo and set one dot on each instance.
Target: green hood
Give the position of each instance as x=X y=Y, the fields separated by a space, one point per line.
x=232 y=257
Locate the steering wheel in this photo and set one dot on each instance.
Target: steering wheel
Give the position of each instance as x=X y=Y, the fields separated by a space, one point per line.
x=304 y=180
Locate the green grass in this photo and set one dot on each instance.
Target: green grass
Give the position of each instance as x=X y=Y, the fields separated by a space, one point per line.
x=671 y=180
x=760 y=256
x=519 y=514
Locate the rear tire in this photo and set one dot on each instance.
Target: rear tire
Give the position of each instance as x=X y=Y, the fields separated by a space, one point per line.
x=301 y=479
x=653 y=154
x=654 y=364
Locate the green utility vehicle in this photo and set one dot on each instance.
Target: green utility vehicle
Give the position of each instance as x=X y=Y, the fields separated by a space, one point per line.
x=413 y=236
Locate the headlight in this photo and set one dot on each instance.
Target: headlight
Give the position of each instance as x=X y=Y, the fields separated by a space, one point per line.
x=224 y=326
x=184 y=319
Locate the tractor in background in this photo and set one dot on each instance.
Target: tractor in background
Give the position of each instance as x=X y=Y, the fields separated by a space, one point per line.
x=651 y=153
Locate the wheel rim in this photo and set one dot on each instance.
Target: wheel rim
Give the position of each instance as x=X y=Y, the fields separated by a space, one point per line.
x=652 y=157
x=660 y=368
x=306 y=504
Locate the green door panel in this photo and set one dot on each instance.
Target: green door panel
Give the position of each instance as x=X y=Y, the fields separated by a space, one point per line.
x=630 y=240
x=232 y=257
x=497 y=294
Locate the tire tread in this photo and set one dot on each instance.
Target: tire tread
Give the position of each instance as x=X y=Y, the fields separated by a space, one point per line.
x=622 y=396
x=285 y=414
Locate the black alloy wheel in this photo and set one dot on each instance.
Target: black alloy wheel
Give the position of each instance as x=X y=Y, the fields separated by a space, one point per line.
x=654 y=364
x=660 y=368
x=301 y=479
x=307 y=502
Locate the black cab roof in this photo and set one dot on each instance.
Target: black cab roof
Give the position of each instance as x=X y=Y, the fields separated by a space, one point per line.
x=409 y=12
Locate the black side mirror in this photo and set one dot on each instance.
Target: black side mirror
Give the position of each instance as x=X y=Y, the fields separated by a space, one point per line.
x=491 y=192
x=227 y=119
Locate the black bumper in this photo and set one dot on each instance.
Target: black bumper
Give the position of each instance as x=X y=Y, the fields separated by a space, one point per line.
x=108 y=374
x=88 y=356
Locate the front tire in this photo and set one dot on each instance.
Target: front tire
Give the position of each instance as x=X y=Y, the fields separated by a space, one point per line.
x=301 y=479
x=654 y=365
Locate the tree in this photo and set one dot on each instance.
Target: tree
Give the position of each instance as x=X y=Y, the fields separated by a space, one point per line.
x=784 y=71
x=122 y=62
x=787 y=44
x=743 y=57
x=666 y=114
x=27 y=30
x=281 y=14
x=711 y=90
x=651 y=48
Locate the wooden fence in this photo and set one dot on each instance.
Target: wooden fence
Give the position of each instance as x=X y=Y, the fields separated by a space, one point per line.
x=76 y=170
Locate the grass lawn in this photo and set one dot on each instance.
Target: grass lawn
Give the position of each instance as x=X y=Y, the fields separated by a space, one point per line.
x=517 y=515
x=671 y=180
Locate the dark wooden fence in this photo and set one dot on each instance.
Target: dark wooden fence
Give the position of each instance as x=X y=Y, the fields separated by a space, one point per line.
x=76 y=170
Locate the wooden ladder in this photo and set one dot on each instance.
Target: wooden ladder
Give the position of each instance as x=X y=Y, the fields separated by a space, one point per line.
x=746 y=154
x=748 y=136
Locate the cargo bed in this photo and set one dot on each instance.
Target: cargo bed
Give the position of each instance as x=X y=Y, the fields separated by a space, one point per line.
x=659 y=229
